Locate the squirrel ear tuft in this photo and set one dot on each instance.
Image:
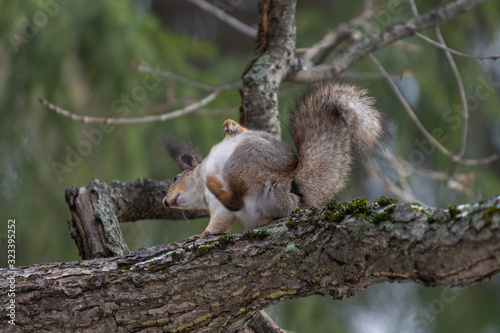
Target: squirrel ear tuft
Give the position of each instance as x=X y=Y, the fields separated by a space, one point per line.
x=183 y=153
x=189 y=161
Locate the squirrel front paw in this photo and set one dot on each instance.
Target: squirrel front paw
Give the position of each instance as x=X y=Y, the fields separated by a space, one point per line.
x=232 y=128
x=204 y=233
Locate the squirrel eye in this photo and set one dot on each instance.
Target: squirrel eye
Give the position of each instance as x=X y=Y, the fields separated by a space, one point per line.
x=175 y=178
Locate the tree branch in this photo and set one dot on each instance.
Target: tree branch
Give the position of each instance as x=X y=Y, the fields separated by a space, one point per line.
x=144 y=67
x=463 y=101
x=98 y=208
x=460 y=54
x=272 y=58
x=330 y=38
x=409 y=110
x=172 y=114
x=398 y=31
x=218 y=283
x=461 y=90
x=225 y=17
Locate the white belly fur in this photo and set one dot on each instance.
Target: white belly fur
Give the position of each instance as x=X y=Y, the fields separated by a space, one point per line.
x=251 y=212
x=219 y=154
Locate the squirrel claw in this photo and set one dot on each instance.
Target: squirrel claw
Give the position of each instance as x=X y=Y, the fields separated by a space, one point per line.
x=204 y=233
x=196 y=236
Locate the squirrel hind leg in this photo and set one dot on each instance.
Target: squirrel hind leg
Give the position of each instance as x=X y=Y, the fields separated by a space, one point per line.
x=232 y=128
x=232 y=201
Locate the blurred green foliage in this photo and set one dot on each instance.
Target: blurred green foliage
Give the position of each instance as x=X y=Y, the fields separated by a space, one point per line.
x=82 y=56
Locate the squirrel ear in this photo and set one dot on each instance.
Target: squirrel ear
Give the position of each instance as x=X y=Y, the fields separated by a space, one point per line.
x=187 y=161
x=183 y=153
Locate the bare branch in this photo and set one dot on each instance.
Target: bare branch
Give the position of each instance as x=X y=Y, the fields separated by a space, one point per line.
x=409 y=110
x=143 y=67
x=401 y=194
x=441 y=44
x=98 y=208
x=413 y=7
x=461 y=54
x=219 y=111
x=332 y=36
x=457 y=181
x=480 y=161
x=463 y=100
x=273 y=56
x=218 y=283
x=339 y=39
x=359 y=50
x=357 y=76
x=166 y=116
x=454 y=158
x=459 y=186
x=225 y=17
x=461 y=90
x=439 y=175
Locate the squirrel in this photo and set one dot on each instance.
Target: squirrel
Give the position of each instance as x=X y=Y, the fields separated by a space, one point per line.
x=253 y=177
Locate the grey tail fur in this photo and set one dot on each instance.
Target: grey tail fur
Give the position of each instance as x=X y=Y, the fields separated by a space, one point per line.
x=327 y=124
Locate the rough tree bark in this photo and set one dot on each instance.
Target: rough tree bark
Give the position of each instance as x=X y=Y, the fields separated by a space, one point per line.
x=97 y=208
x=219 y=283
x=272 y=59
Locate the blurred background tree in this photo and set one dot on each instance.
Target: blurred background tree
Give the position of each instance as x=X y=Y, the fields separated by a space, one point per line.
x=83 y=56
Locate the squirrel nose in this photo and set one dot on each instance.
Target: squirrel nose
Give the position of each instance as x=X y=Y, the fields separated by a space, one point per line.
x=165 y=202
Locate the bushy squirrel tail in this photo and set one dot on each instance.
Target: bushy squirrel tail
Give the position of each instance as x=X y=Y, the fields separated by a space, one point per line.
x=327 y=124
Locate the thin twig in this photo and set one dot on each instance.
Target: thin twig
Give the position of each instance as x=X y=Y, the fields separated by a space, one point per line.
x=143 y=67
x=407 y=46
x=374 y=169
x=442 y=45
x=461 y=54
x=221 y=111
x=458 y=79
x=303 y=73
x=456 y=185
x=463 y=100
x=339 y=39
x=432 y=174
x=225 y=17
x=480 y=161
x=357 y=76
x=332 y=36
x=457 y=181
x=137 y=120
x=403 y=174
x=413 y=8
x=421 y=127
x=408 y=109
